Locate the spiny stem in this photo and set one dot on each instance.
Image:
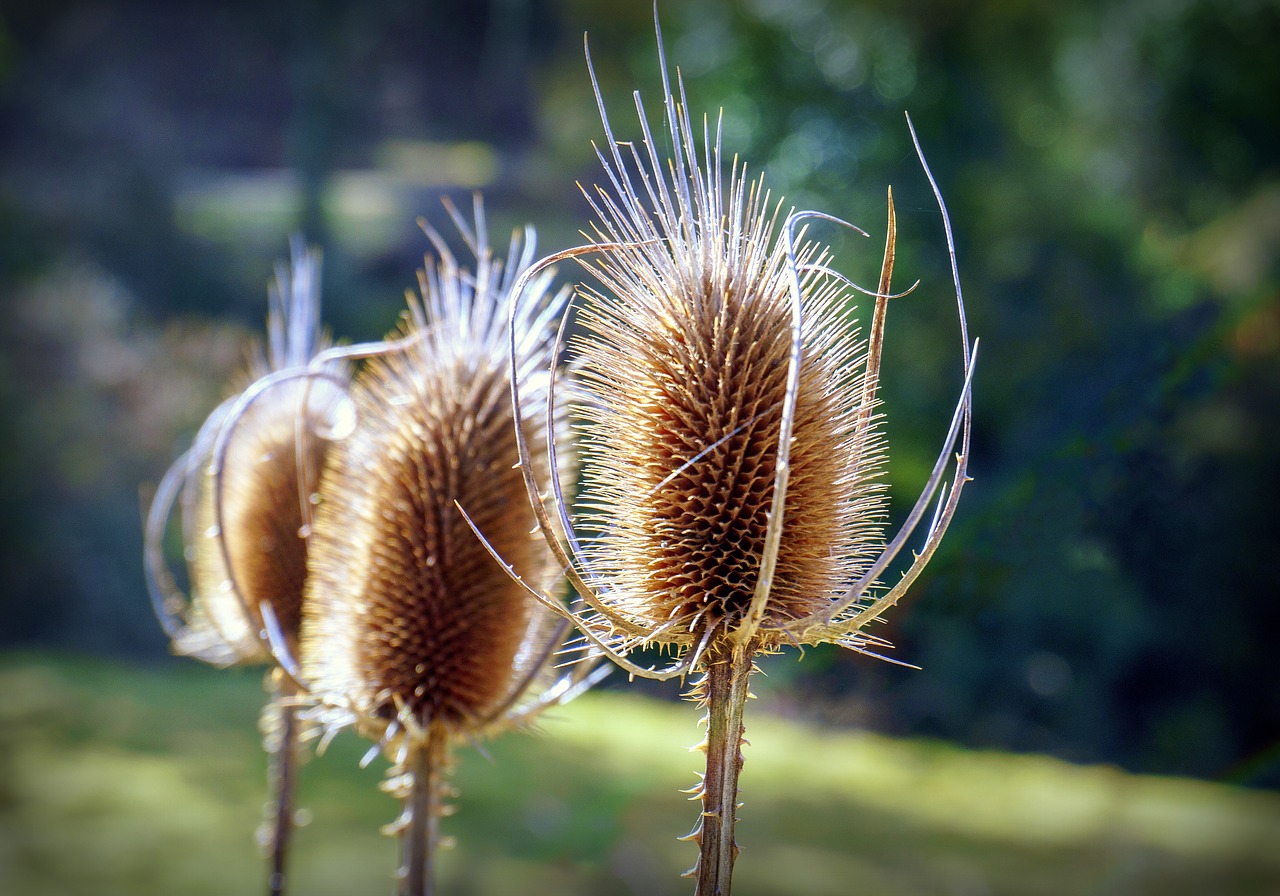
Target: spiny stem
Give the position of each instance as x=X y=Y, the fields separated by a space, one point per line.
x=427 y=767
x=725 y=694
x=282 y=739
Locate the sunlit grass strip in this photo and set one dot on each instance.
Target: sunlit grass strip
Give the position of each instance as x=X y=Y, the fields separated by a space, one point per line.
x=150 y=774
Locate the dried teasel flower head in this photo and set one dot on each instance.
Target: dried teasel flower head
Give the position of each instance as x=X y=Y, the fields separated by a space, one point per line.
x=408 y=621
x=732 y=449
x=245 y=487
x=411 y=631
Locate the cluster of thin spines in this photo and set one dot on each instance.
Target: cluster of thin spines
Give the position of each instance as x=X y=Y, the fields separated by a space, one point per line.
x=683 y=438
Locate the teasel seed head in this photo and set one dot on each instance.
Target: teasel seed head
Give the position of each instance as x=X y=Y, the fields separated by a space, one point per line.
x=409 y=624
x=245 y=487
x=731 y=448
x=685 y=362
x=731 y=436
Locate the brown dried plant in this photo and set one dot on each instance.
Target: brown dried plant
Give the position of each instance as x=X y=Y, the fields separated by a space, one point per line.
x=244 y=490
x=732 y=446
x=411 y=633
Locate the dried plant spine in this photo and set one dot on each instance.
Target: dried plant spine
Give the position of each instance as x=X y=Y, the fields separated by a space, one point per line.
x=411 y=632
x=731 y=443
x=244 y=492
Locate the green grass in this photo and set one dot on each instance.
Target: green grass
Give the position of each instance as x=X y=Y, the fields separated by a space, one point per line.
x=119 y=780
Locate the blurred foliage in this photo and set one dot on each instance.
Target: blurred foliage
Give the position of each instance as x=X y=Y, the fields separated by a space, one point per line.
x=1107 y=592
x=123 y=781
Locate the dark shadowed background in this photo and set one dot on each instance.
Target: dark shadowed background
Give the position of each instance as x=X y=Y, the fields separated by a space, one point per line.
x=1108 y=591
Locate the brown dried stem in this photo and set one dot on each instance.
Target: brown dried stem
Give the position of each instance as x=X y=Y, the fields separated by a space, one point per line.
x=283 y=747
x=426 y=768
x=724 y=691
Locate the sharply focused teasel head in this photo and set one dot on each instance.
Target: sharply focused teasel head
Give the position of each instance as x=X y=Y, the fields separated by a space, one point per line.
x=731 y=445
x=686 y=365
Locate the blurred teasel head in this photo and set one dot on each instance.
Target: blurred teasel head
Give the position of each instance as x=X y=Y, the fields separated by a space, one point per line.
x=245 y=488
x=408 y=620
x=411 y=631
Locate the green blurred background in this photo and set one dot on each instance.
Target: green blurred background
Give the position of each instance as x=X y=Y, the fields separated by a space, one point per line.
x=1108 y=591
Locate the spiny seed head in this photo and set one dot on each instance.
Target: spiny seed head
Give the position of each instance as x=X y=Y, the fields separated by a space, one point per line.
x=686 y=361
x=248 y=483
x=262 y=526
x=408 y=619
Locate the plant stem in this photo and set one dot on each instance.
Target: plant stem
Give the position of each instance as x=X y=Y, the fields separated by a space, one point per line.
x=728 y=671
x=427 y=766
x=282 y=771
